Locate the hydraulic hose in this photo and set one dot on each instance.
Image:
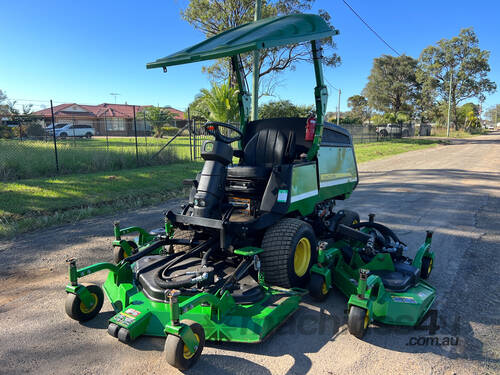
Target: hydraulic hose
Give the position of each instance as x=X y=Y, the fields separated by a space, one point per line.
x=162 y=283
x=386 y=232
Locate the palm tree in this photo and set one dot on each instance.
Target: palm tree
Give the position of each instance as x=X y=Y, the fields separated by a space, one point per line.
x=222 y=102
x=159 y=118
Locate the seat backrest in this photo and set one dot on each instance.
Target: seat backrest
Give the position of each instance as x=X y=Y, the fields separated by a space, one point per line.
x=269 y=147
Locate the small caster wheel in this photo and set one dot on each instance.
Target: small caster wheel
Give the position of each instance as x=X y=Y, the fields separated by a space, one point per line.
x=119 y=254
x=317 y=287
x=77 y=310
x=358 y=321
x=178 y=354
x=426 y=268
x=124 y=335
x=113 y=329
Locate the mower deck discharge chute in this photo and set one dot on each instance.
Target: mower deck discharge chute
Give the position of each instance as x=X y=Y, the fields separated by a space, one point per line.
x=231 y=264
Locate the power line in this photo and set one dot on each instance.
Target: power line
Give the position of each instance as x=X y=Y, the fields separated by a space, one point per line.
x=332 y=86
x=370 y=28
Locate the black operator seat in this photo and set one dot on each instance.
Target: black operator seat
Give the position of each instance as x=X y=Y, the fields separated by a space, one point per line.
x=266 y=148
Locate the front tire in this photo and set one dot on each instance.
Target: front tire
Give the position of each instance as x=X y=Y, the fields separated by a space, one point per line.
x=318 y=288
x=426 y=268
x=76 y=309
x=119 y=254
x=289 y=252
x=177 y=353
x=358 y=321
x=88 y=135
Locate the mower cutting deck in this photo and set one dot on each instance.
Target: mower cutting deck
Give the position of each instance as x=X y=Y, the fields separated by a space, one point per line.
x=231 y=264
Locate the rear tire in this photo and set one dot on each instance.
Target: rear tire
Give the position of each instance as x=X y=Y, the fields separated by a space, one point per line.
x=358 y=321
x=289 y=252
x=88 y=135
x=63 y=135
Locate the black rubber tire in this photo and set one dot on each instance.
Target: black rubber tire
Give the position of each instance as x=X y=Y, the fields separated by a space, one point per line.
x=88 y=135
x=356 y=322
x=119 y=253
x=113 y=329
x=279 y=244
x=350 y=218
x=73 y=304
x=124 y=335
x=426 y=268
x=174 y=347
x=317 y=287
x=184 y=235
x=63 y=135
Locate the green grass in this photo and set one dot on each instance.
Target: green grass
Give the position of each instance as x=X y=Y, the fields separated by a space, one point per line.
x=28 y=159
x=377 y=150
x=441 y=132
x=40 y=202
x=35 y=203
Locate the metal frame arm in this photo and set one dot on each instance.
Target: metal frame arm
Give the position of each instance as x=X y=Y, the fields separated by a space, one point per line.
x=320 y=96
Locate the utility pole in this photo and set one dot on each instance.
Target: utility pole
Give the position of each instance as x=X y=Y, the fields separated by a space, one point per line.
x=338 y=109
x=255 y=73
x=449 y=106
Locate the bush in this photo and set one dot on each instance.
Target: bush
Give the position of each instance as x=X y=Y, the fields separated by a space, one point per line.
x=6 y=132
x=34 y=129
x=170 y=130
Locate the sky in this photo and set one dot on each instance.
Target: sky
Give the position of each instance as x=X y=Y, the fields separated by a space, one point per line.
x=72 y=51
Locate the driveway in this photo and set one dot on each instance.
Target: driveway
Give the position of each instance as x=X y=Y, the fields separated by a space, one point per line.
x=453 y=190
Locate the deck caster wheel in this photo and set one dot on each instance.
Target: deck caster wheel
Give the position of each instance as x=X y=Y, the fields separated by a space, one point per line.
x=426 y=268
x=77 y=310
x=318 y=288
x=178 y=354
x=113 y=329
x=124 y=335
x=119 y=254
x=358 y=321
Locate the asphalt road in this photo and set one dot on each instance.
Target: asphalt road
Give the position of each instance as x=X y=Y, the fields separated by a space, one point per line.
x=453 y=190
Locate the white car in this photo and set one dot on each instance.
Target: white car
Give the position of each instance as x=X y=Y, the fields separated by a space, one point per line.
x=71 y=130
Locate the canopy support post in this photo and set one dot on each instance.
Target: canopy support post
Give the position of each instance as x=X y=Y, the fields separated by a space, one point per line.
x=244 y=99
x=320 y=96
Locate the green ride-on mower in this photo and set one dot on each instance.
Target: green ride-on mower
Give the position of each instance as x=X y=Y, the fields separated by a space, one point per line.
x=234 y=262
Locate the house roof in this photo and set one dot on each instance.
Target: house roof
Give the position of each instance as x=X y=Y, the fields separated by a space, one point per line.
x=101 y=110
x=265 y=33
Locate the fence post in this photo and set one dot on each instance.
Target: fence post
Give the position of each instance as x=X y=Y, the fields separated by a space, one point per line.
x=135 y=134
x=145 y=135
x=106 y=129
x=189 y=130
x=54 y=135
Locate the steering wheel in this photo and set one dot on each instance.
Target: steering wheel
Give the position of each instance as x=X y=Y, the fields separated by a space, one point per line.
x=212 y=128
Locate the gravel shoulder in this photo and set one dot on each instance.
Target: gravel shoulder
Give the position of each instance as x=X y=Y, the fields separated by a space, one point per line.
x=453 y=190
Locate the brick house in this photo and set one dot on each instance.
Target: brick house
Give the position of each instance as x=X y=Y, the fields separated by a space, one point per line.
x=117 y=119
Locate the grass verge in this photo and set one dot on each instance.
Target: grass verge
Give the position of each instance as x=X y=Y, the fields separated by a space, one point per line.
x=41 y=202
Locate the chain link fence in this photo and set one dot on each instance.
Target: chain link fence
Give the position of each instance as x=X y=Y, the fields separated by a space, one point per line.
x=30 y=146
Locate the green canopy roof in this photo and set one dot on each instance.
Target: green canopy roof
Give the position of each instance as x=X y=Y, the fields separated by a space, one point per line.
x=265 y=33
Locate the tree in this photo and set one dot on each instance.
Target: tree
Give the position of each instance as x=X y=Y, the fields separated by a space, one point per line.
x=3 y=107
x=283 y=108
x=359 y=107
x=392 y=85
x=221 y=102
x=159 y=118
x=492 y=114
x=198 y=109
x=214 y=16
x=461 y=59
